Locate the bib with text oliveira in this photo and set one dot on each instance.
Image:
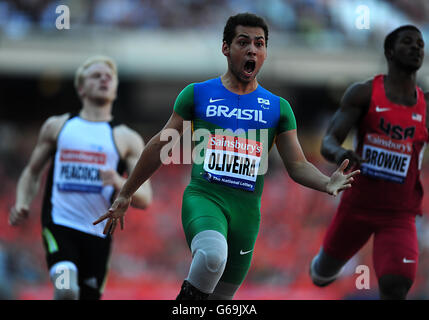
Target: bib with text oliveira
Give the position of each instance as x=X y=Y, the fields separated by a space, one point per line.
x=386 y=158
x=232 y=161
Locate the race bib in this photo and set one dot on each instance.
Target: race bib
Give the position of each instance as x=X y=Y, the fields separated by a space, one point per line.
x=80 y=171
x=386 y=158
x=232 y=161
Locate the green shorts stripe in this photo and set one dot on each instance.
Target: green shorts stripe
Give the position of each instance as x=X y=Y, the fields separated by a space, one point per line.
x=50 y=241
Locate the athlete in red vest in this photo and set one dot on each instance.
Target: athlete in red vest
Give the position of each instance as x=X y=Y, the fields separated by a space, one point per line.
x=389 y=113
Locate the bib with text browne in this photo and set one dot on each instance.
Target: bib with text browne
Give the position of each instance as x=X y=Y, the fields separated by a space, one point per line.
x=386 y=158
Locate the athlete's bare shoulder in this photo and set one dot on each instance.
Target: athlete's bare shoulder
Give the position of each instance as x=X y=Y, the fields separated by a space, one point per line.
x=126 y=132
x=362 y=85
x=52 y=126
x=358 y=95
x=127 y=140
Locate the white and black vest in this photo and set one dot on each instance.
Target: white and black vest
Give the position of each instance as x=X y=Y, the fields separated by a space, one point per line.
x=75 y=196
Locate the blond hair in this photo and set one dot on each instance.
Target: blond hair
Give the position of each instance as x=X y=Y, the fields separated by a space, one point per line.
x=78 y=79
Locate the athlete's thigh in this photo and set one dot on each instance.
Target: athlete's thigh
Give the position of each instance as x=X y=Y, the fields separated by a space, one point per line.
x=59 y=245
x=348 y=232
x=95 y=254
x=200 y=213
x=242 y=233
x=396 y=246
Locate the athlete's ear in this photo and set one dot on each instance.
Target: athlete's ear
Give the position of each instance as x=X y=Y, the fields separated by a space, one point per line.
x=80 y=91
x=388 y=54
x=225 y=49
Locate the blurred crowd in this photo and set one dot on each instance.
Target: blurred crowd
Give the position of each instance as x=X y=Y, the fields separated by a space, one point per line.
x=329 y=20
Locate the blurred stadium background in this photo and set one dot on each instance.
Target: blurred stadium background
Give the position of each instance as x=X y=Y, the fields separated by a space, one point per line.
x=314 y=52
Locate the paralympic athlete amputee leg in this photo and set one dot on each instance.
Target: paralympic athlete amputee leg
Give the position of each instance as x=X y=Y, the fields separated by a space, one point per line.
x=221 y=236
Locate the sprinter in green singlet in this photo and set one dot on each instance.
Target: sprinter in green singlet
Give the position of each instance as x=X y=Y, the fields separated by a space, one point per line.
x=238 y=122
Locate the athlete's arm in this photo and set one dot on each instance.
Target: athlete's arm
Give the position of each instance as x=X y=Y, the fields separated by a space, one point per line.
x=130 y=145
x=29 y=181
x=147 y=164
x=305 y=173
x=354 y=105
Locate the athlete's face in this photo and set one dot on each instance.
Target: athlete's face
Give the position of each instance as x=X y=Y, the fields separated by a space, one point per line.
x=409 y=50
x=247 y=52
x=99 y=83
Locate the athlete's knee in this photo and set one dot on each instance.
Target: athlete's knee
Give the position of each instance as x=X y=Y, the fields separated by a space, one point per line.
x=212 y=246
x=64 y=278
x=394 y=287
x=215 y=258
x=209 y=251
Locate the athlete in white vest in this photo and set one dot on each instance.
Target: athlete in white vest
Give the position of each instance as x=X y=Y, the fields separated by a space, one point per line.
x=90 y=151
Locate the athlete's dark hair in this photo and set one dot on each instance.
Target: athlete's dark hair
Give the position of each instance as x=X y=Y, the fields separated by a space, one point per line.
x=390 y=40
x=246 y=20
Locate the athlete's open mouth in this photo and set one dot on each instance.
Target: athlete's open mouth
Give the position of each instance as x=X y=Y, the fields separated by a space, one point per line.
x=249 y=66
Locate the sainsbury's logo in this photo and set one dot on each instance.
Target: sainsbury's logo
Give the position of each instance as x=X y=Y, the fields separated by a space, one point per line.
x=67 y=155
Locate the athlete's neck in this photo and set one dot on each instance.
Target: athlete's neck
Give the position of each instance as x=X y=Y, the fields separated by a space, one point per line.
x=233 y=84
x=401 y=84
x=94 y=112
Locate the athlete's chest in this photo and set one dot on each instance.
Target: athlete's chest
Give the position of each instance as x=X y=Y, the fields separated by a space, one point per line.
x=396 y=122
x=86 y=142
x=225 y=109
x=391 y=136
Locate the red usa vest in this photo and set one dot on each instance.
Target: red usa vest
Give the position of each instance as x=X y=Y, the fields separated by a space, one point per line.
x=391 y=140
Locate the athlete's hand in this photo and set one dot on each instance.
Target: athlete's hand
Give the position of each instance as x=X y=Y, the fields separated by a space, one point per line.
x=340 y=181
x=353 y=157
x=17 y=214
x=115 y=213
x=111 y=177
